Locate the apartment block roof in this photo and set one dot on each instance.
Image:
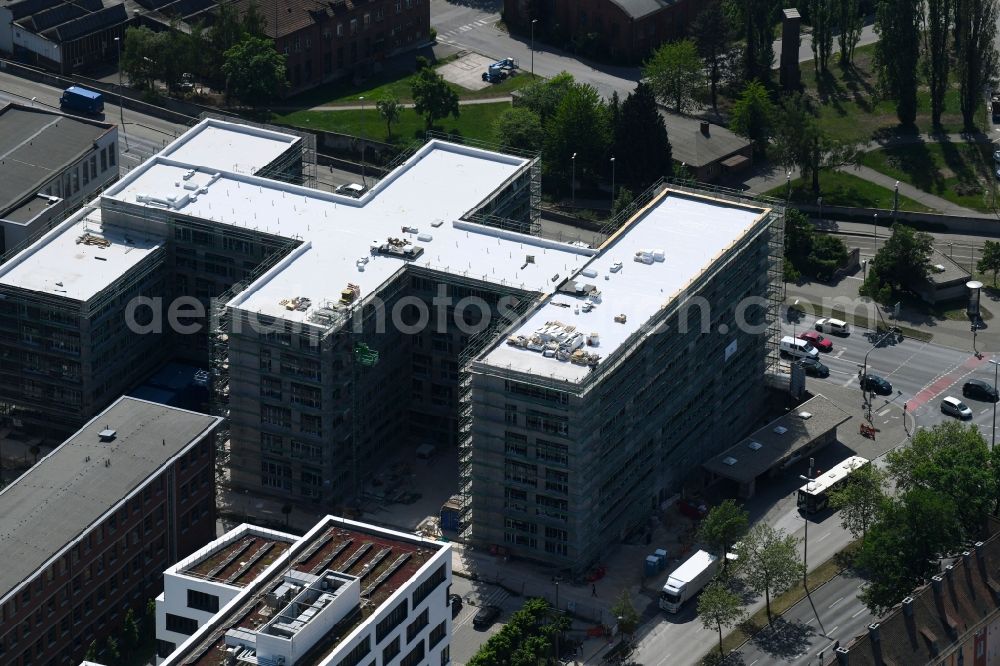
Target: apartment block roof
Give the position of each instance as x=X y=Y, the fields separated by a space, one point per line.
x=384 y=561
x=91 y=473
x=938 y=617
x=35 y=145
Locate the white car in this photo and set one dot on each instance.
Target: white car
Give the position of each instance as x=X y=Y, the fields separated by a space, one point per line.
x=996 y=155
x=955 y=407
x=351 y=189
x=832 y=326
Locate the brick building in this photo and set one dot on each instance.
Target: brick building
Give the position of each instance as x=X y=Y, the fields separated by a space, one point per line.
x=323 y=41
x=89 y=530
x=622 y=30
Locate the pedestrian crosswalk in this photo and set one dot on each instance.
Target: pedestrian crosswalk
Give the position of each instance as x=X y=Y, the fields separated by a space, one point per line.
x=449 y=37
x=496 y=596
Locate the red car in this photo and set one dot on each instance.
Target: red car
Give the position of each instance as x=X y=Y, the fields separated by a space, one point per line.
x=816 y=340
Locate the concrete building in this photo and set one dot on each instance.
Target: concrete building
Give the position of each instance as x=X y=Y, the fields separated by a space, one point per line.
x=323 y=41
x=346 y=593
x=623 y=30
x=952 y=621
x=353 y=328
x=90 y=528
x=62 y=36
x=50 y=163
x=707 y=151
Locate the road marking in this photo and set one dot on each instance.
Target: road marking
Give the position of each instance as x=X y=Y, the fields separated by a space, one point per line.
x=754 y=662
x=884 y=412
x=863 y=610
x=833 y=630
x=839 y=354
x=849 y=380
x=824 y=536
x=664 y=660
x=811 y=621
x=835 y=602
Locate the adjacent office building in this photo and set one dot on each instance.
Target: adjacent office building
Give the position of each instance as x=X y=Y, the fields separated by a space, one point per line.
x=50 y=163
x=580 y=385
x=346 y=593
x=89 y=530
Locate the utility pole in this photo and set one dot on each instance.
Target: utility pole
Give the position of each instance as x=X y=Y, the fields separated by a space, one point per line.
x=533 y=22
x=363 y=181
x=573 y=182
x=612 y=186
x=805 y=543
x=121 y=109
x=993 y=440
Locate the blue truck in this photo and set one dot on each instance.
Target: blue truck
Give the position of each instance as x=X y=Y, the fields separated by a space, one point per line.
x=82 y=100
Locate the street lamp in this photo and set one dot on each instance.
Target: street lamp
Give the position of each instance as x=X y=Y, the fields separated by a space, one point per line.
x=121 y=109
x=612 y=186
x=805 y=543
x=972 y=311
x=788 y=180
x=819 y=202
x=363 y=181
x=533 y=22
x=572 y=187
x=895 y=202
x=993 y=440
x=864 y=373
x=875 y=233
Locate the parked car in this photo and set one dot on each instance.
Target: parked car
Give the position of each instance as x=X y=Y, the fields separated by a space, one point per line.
x=816 y=340
x=834 y=326
x=814 y=368
x=876 y=384
x=996 y=155
x=692 y=508
x=977 y=389
x=955 y=407
x=486 y=616
x=455 y=601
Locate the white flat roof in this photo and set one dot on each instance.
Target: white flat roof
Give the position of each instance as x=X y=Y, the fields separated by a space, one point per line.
x=436 y=186
x=215 y=144
x=691 y=231
x=78 y=258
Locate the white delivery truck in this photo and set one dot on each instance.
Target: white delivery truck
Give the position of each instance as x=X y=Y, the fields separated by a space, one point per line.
x=688 y=580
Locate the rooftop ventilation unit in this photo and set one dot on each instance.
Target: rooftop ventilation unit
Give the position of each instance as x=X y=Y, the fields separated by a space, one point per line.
x=805 y=415
x=755 y=446
x=107 y=434
x=781 y=430
x=729 y=460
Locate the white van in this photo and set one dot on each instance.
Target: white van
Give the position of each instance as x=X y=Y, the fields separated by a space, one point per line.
x=833 y=326
x=800 y=348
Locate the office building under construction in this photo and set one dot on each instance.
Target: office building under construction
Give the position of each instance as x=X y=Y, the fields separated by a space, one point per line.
x=579 y=385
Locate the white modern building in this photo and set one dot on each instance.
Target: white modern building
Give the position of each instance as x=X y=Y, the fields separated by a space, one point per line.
x=344 y=594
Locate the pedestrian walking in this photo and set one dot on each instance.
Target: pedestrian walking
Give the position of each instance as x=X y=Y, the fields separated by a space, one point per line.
x=593 y=589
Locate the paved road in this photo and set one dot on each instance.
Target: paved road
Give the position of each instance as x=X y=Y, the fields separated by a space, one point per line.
x=465 y=639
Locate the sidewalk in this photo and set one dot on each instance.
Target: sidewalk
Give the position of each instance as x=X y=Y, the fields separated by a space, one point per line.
x=931 y=201
x=354 y=106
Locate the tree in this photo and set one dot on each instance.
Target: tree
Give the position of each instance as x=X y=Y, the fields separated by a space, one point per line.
x=254 y=71
x=713 y=36
x=433 y=98
x=990 y=261
x=902 y=549
x=519 y=128
x=579 y=125
x=111 y=647
x=674 y=72
x=718 y=608
x=131 y=632
x=628 y=616
x=756 y=19
x=902 y=262
x=389 y=108
x=543 y=97
x=897 y=53
x=977 y=53
x=861 y=501
x=800 y=141
x=525 y=639
x=622 y=200
x=952 y=460
x=850 y=21
x=768 y=562
x=91 y=653
x=821 y=12
x=752 y=116
x=723 y=526
x=139 y=56
x=641 y=134
x=937 y=54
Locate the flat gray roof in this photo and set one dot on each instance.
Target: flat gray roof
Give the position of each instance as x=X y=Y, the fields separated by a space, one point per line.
x=35 y=144
x=70 y=489
x=953 y=272
x=744 y=463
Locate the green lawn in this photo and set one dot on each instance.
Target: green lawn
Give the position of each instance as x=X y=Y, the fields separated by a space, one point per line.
x=474 y=122
x=962 y=173
x=851 y=109
x=843 y=189
x=394 y=84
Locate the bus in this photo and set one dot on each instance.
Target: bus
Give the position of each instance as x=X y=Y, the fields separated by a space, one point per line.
x=815 y=495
